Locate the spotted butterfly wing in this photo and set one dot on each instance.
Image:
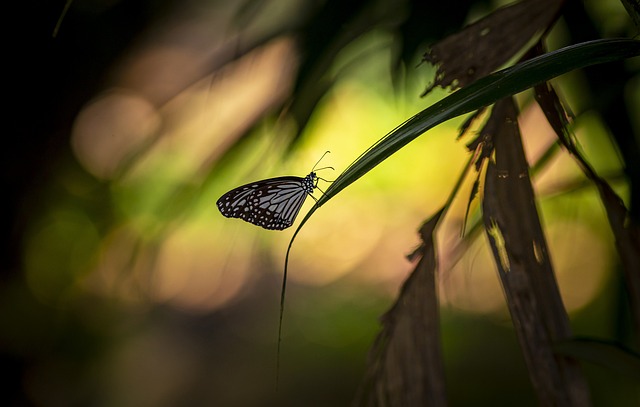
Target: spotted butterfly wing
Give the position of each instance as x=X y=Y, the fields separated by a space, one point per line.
x=271 y=203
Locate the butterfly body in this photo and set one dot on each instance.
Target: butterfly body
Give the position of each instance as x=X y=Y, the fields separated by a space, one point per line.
x=272 y=203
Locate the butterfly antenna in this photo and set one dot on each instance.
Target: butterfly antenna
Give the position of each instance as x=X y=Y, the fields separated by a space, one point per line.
x=325 y=153
x=325 y=168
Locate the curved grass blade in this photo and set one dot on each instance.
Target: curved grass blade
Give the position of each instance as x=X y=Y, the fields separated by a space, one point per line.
x=483 y=92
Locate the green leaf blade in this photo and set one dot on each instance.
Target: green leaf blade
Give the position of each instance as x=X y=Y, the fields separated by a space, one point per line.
x=483 y=92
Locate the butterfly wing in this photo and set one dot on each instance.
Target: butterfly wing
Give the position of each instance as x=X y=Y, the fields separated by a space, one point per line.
x=272 y=203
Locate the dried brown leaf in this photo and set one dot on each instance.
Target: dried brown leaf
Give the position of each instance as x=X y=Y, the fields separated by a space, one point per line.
x=627 y=233
x=405 y=365
x=487 y=44
x=520 y=249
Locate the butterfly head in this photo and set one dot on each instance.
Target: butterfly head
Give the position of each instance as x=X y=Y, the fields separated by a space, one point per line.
x=272 y=203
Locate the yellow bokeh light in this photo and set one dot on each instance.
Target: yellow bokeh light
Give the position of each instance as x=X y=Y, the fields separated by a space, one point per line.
x=110 y=128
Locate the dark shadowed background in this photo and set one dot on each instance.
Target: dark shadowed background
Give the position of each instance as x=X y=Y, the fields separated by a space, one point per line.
x=122 y=284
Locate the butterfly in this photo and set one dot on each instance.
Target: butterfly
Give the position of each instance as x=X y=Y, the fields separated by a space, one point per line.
x=272 y=203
